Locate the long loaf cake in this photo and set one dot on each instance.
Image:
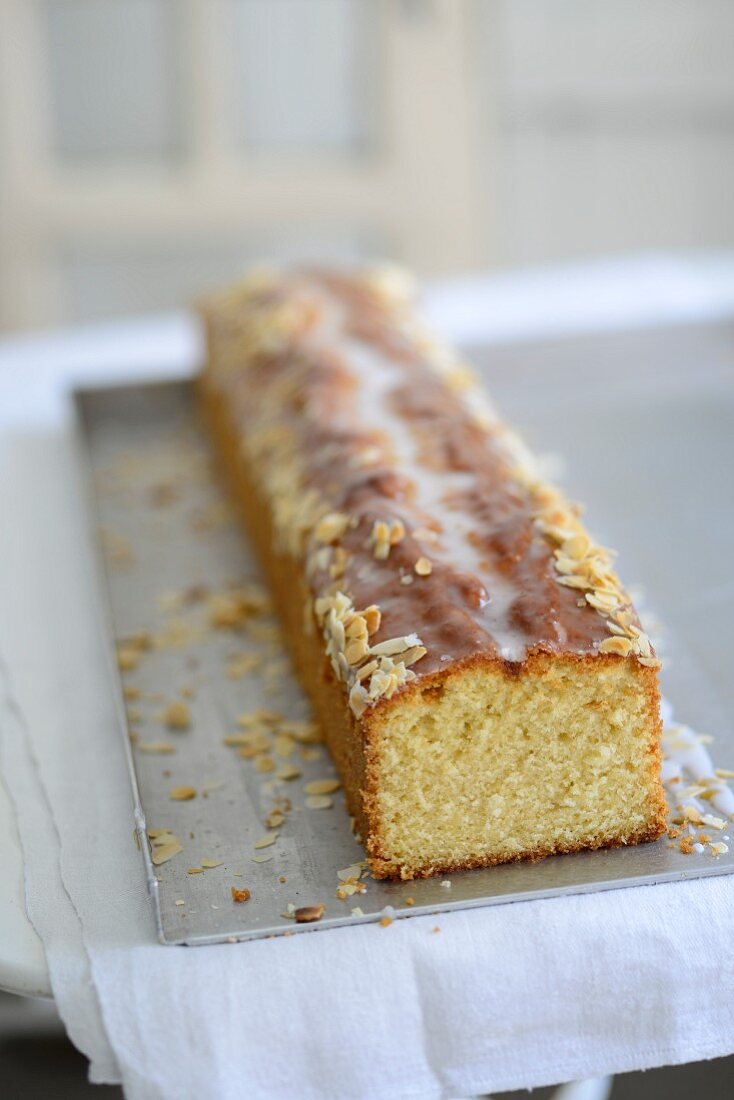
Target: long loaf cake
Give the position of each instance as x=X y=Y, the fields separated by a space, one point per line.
x=481 y=677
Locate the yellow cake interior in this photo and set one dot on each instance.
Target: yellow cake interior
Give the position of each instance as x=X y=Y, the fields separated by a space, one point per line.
x=488 y=766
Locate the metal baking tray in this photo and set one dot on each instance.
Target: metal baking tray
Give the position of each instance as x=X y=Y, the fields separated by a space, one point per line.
x=168 y=542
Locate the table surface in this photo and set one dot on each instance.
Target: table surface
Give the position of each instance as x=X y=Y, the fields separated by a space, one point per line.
x=673 y=387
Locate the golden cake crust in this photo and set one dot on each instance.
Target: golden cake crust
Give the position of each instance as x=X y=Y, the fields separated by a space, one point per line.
x=567 y=610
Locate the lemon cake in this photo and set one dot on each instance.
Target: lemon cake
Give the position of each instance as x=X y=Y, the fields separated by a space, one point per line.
x=482 y=679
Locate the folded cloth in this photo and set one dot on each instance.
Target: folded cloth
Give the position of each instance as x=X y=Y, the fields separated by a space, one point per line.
x=503 y=997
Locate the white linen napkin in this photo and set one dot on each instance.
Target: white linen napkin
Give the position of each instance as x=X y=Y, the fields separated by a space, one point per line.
x=503 y=997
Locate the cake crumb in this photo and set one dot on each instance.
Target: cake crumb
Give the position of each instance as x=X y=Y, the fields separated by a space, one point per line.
x=686 y=845
x=240 y=896
x=385 y=922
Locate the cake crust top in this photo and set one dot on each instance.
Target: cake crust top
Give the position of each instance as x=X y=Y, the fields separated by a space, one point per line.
x=429 y=536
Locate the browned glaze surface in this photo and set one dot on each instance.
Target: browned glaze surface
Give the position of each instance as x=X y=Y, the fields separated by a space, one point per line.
x=493 y=588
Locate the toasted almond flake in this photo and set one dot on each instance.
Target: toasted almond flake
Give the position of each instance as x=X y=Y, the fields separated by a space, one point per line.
x=262 y=859
x=367 y=670
x=719 y=848
x=177 y=716
x=182 y=794
x=161 y=747
x=209 y=863
x=406 y=579
x=239 y=896
x=372 y=616
x=274 y=820
x=284 y=744
x=650 y=662
x=288 y=772
x=266 y=841
x=179 y=901
x=240 y=664
x=195 y=871
x=410 y=656
x=127 y=659
x=356 y=912
x=306 y=914
x=331 y=527
x=322 y=786
x=163 y=852
x=423 y=567
x=354 y=871
x=620 y=646
x=725 y=773
x=345 y=890
x=713 y=822
x=264 y=764
x=319 y=802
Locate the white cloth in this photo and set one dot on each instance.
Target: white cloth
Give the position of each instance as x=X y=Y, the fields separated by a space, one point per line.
x=503 y=997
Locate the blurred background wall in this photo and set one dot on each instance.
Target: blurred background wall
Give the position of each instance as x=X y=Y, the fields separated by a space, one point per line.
x=149 y=148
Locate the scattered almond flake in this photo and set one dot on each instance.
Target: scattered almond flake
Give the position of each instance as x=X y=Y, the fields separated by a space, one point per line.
x=356 y=912
x=179 y=901
x=274 y=819
x=322 y=786
x=284 y=744
x=258 y=718
x=350 y=872
x=725 y=773
x=263 y=764
x=423 y=567
x=131 y=692
x=266 y=841
x=182 y=794
x=690 y=813
x=262 y=859
x=240 y=664
x=240 y=896
x=319 y=802
x=309 y=755
x=127 y=659
x=177 y=716
x=712 y=822
x=385 y=922
x=165 y=846
x=176 y=634
x=209 y=863
x=162 y=747
x=195 y=871
x=288 y=772
x=306 y=914
x=446 y=884
x=231 y=610
x=213 y=786
x=719 y=848
x=406 y=579
x=306 y=732
x=346 y=890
